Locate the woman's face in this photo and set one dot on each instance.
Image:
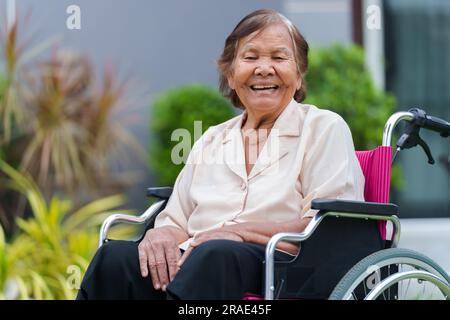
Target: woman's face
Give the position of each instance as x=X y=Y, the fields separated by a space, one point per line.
x=264 y=73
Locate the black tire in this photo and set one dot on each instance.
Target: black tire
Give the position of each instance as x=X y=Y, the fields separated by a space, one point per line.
x=383 y=258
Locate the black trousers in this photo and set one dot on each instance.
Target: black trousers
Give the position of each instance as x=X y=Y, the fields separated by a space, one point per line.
x=217 y=269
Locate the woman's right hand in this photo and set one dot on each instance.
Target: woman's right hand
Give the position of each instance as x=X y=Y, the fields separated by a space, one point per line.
x=159 y=254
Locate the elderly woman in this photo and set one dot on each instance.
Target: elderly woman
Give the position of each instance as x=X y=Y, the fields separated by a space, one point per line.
x=245 y=180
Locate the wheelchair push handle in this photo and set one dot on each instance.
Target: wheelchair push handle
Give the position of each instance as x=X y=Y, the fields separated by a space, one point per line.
x=438 y=125
x=418 y=119
x=430 y=122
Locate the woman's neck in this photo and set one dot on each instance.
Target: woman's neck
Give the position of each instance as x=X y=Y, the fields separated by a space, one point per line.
x=255 y=121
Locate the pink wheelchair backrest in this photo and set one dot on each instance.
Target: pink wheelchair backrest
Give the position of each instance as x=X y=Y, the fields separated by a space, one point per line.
x=376 y=167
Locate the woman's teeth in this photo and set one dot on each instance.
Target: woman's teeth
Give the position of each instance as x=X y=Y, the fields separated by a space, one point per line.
x=263 y=87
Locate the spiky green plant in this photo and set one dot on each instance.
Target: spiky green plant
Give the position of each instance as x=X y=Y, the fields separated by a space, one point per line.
x=71 y=141
x=34 y=264
x=10 y=110
x=72 y=133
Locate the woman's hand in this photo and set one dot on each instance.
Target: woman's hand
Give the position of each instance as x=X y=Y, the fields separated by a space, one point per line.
x=159 y=252
x=206 y=236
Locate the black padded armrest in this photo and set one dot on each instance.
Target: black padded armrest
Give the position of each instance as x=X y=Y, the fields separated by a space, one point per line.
x=347 y=206
x=162 y=193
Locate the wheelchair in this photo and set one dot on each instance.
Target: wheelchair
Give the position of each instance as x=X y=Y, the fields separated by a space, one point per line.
x=346 y=253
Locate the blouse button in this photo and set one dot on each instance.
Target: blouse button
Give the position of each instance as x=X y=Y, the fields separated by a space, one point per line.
x=243 y=186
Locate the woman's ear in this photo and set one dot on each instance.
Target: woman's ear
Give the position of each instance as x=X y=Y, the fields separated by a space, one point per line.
x=230 y=79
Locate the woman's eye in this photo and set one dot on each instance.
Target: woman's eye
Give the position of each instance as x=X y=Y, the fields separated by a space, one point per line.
x=278 y=58
x=250 y=58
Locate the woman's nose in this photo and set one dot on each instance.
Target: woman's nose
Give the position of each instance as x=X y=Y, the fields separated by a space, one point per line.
x=264 y=68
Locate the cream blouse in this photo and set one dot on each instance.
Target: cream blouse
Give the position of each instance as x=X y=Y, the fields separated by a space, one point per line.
x=308 y=154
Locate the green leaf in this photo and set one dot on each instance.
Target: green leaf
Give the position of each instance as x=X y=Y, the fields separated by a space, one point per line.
x=176 y=109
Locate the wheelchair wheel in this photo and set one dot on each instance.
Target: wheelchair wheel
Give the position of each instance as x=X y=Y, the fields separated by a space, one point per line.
x=394 y=274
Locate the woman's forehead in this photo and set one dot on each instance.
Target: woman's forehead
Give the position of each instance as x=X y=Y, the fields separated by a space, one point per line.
x=274 y=37
x=266 y=46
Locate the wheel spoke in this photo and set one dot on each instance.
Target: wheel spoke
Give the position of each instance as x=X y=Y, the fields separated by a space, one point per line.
x=424 y=287
x=364 y=286
x=389 y=273
x=407 y=287
x=411 y=266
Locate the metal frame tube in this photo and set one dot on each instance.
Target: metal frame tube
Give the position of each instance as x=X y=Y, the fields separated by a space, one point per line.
x=269 y=289
x=118 y=217
x=391 y=123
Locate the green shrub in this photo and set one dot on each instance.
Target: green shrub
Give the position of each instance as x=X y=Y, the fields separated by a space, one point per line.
x=339 y=81
x=179 y=108
x=49 y=254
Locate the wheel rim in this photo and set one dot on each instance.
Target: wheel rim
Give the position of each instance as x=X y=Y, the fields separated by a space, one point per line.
x=409 y=288
x=396 y=278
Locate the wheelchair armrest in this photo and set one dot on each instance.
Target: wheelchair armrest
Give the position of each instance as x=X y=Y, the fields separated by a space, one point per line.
x=329 y=207
x=357 y=207
x=148 y=216
x=162 y=193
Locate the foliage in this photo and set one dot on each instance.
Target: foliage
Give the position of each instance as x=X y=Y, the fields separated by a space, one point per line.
x=72 y=133
x=3 y=86
x=57 y=123
x=179 y=108
x=2 y=95
x=10 y=110
x=34 y=265
x=339 y=81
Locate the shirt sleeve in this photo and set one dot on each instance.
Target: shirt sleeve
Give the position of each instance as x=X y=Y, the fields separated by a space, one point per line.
x=180 y=205
x=330 y=167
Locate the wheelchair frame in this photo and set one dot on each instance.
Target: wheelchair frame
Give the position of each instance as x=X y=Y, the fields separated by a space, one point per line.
x=327 y=208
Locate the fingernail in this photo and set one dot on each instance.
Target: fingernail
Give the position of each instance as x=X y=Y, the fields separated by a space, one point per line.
x=158 y=286
x=164 y=288
x=144 y=274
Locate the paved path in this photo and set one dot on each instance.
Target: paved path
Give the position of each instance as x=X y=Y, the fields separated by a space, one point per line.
x=430 y=237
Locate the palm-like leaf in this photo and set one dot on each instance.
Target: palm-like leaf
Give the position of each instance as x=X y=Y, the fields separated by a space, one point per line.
x=54 y=238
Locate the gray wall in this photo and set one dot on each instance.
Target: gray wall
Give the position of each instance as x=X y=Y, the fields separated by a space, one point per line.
x=166 y=43
x=322 y=22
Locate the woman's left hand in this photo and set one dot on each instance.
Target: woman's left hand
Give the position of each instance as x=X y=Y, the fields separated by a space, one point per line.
x=206 y=236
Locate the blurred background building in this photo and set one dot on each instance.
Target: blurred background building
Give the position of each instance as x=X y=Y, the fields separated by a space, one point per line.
x=164 y=44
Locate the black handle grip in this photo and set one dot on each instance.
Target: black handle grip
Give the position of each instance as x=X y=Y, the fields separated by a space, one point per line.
x=423 y=120
x=438 y=125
